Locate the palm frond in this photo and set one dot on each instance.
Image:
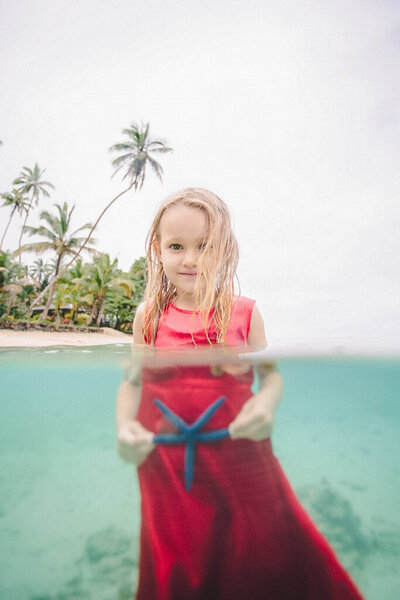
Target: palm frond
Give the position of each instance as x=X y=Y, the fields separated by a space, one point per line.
x=122 y=147
x=157 y=168
x=73 y=242
x=36 y=247
x=48 y=217
x=163 y=149
x=120 y=160
x=82 y=228
x=41 y=230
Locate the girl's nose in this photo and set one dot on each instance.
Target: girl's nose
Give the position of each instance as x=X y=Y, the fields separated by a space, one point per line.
x=190 y=259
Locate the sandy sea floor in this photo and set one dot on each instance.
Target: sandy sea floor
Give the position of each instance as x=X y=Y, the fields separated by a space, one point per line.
x=69 y=507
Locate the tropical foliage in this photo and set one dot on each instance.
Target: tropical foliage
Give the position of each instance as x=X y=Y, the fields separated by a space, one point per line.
x=135 y=155
x=41 y=271
x=57 y=239
x=59 y=285
x=96 y=293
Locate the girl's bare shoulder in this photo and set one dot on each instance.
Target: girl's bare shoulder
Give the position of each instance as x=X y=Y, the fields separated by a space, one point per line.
x=257 y=330
x=137 y=328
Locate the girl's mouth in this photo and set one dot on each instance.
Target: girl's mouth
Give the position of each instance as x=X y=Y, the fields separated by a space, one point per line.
x=190 y=274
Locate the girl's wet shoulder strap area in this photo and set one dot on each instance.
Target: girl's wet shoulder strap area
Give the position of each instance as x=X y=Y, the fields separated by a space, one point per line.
x=242 y=311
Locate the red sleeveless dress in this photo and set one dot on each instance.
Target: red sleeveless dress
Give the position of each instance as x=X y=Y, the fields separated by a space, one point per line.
x=240 y=532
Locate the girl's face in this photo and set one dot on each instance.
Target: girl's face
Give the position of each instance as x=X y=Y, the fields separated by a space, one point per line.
x=183 y=234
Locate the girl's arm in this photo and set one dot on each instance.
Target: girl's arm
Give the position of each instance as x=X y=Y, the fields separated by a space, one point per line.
x=134 y=442
x=255 y=420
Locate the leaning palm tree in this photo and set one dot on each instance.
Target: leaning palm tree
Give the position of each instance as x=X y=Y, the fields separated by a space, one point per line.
x=18 y=203
x=58 y=239
x=135 y=156
x=30 y=182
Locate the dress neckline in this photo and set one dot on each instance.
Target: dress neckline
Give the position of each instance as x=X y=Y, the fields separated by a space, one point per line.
x=188 y=312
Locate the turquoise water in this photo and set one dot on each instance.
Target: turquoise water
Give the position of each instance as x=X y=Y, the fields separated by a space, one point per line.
x=69 y=507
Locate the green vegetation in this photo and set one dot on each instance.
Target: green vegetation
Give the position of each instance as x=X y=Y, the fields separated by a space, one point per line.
x=95 y=293
x=71 y=291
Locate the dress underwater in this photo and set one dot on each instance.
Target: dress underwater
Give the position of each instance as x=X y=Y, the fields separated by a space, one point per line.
x=239 y=532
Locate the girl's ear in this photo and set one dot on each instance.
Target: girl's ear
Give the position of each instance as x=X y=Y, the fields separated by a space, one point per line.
x=157 y=250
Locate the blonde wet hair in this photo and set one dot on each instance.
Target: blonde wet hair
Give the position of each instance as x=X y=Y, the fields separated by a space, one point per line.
x=216 y=269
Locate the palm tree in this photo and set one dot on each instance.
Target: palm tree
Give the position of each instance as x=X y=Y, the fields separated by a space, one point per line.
x=12 y=280
x=12 y=290
x=10 y=270
x=138 y=274
x=41 y=270
x=77 y=292
x=121 y=309
x=57 y=239
x=136 y=155
x=103 y=277
x=61 y=296
x=18 y=203
x=30 y=182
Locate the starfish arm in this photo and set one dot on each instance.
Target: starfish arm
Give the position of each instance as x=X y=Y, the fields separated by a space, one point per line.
x=213 y=436
x=169 y=438
x=207 y=414
x=190 y=434
x=171 y=416
x=189 y=464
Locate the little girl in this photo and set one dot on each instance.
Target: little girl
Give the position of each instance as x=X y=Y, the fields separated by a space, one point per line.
x=219 y=520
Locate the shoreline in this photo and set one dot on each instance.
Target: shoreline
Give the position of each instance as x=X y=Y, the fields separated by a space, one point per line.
x=348 y=348
x=41 y=339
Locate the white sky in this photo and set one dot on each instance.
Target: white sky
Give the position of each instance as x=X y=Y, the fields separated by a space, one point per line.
x=288 y=110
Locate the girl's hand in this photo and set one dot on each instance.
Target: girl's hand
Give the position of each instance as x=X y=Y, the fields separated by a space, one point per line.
x=255 y=420
x=134 y=442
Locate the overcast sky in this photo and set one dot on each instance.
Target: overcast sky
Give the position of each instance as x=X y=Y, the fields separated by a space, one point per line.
x=288 y=110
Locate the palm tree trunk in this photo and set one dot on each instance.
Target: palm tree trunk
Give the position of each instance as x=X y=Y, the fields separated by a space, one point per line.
x=101 y=312
x=74 y=313
x=67 y=266
x=6 y=229
x=94 y=310
x=52 y=286
x=23 y=226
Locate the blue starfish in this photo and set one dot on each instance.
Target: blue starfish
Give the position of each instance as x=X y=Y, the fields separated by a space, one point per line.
x=190 y=434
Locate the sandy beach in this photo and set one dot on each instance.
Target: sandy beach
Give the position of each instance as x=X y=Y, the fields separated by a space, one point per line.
x=38 y=339
x=378 y=348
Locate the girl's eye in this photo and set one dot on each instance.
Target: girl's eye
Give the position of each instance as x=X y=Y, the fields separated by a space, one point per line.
x=202 y=246
x=175 y=246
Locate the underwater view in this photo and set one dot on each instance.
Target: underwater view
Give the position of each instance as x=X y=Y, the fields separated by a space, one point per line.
x=70 y=507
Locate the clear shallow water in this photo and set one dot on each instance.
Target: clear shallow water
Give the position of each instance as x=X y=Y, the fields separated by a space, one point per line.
x=69 y=507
